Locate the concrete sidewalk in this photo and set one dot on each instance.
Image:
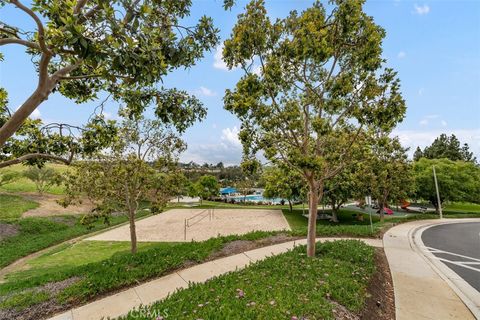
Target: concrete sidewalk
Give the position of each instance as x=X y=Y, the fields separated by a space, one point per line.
x=420 y=292
x=149 y=292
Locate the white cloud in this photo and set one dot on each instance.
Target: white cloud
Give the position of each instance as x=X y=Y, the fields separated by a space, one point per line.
x=401 y=55
x=204 y=91
x=421 y=91
x=426 y=120
x=218 y=62
x=36 y=114
x=230 y=136
x=413 y=138
x=421 y=10
x=228 y=149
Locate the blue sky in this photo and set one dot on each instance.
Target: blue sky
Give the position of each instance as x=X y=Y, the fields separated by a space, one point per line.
x=434 y=46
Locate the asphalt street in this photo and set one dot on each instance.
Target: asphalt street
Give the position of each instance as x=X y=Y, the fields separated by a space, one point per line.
x=457 y=245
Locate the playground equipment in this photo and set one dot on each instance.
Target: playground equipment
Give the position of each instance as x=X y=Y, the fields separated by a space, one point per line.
x=196 y=219
x=407 y=207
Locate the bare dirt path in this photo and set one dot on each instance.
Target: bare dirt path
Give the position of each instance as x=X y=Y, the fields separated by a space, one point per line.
x=48 y=206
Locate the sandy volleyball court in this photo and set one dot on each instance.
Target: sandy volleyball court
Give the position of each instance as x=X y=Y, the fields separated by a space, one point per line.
x=169 y=226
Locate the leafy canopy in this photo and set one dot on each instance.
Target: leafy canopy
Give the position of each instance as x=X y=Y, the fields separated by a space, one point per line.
x=85 y=49
x=446 y=147
x=318 y=80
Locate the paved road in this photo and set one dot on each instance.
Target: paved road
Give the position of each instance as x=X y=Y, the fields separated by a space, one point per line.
x=457 y=245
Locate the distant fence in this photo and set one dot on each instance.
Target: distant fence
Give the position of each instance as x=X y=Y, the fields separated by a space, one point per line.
x=196 y=219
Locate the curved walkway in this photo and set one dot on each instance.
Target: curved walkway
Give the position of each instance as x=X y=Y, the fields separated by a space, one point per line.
x=421 y=290
x=149 y=292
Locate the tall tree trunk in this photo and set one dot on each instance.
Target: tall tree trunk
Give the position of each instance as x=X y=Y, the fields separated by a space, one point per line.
x=381 y=204
x=25 y=110
x=133 y=232
x=290 y=205
x=312 y=219
x=334 y=212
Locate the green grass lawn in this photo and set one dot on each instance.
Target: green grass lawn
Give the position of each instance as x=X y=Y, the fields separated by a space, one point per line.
x=104 y=275
x=69 y=256
x=463 y=207
x=39 y=233
x=348 y=225
x=12 y=206
x=23 y=184
x=287 y=286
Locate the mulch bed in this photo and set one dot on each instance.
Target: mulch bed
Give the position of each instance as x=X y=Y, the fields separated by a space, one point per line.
x=380 y=303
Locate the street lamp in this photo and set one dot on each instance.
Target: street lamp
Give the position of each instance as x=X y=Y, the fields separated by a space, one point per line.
x=438 y=194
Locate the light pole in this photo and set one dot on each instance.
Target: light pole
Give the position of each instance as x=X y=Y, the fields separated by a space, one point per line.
x=439 y=204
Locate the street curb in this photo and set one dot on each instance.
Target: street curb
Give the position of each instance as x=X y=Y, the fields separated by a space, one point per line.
x=468 y=294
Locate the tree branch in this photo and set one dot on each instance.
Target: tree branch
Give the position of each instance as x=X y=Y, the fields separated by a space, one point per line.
x=22 y=42
x=78 y=7
x=36 y=156
x=41 y=30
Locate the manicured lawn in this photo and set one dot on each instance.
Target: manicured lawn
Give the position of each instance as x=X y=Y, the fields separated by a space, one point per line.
x=463 y=206
x=35 y=234
x=348 y=225
x=12 y=206
x=69 y=256
x=23 y=184
x=99 y=277
x=287 y=286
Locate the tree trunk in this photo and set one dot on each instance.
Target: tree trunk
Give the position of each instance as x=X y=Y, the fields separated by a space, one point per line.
x=26 y=109
x=312 y=220
x=381 y=204
x=133 y=232
x=290 y=205
x=334 y=212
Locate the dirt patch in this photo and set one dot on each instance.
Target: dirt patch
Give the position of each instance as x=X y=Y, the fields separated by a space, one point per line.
x=43 y=309
x=380 y=303
x=239 y=246
x=233 y=247
x=342 y=313
x=69 y=221
x=8 y=230
x=278 y=238
x=48 y=206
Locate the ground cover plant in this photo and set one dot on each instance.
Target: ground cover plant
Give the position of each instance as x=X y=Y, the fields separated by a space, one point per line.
x=12 y=206
x=280 y=287
x=82 y=282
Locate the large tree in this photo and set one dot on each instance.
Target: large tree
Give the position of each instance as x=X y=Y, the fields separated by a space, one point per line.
x=448 y=147
x=283 y=183
x=121 y=178
x=312 y=82
x=387 y=175
x=457 y=180
x=82 y=49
